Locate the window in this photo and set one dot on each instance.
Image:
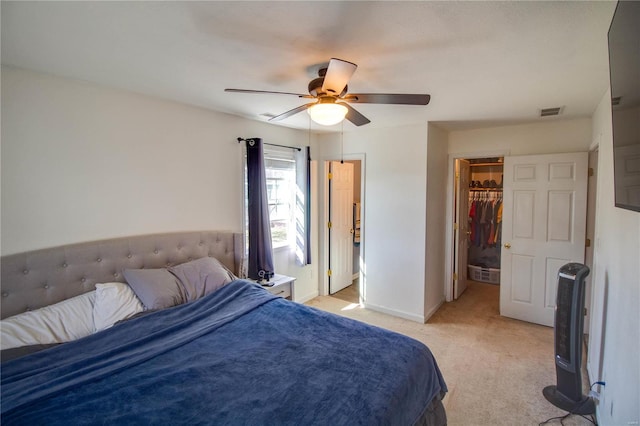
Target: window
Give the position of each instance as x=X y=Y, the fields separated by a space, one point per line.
x=280 y=170
x=280 y=173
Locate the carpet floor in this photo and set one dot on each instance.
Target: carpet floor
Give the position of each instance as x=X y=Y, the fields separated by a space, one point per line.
x=495 y=367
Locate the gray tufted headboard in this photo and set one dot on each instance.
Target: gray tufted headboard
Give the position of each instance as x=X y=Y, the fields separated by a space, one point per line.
x=39 y=278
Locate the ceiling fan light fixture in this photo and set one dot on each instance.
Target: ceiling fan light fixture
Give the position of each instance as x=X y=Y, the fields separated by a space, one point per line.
x=327 y=114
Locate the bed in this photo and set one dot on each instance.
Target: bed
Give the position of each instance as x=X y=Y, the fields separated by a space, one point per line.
x=235 y=354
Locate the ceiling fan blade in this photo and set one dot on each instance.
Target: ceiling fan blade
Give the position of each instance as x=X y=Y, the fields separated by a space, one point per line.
x=291 y=112
x=338 y=74
x=267 y=92
x=387 y=98
x=354 y=116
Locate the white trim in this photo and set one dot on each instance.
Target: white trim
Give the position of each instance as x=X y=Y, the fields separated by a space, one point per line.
x=355 y=276
x=283 y=247
x=595 y=143
x=593 y=370
x=323 y=288
x=449 y=232
x=307 y=297
x=395 y=313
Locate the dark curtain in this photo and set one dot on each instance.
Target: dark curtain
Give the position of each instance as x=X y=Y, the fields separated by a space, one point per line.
x=303 y=207
x=260 y=262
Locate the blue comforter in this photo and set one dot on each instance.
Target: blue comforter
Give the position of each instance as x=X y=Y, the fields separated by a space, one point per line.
x=236 y=356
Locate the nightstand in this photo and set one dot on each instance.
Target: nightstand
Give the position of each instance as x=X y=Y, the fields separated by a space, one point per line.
x=283 y=286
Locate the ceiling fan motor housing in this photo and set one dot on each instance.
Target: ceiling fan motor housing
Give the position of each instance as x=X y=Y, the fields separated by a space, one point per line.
x=315 y=88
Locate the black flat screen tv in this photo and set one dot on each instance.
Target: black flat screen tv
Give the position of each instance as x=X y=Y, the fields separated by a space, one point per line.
x=624 y=72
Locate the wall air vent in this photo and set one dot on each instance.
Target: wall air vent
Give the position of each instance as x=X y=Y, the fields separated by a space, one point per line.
x=547 y=112
x=616 y=101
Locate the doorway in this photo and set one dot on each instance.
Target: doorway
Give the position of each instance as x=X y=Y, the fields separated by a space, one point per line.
x=344 y=231
x=543 y=228
x=591 y=230
x=477 y=222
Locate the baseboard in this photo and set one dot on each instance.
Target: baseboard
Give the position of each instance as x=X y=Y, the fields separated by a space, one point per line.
x=355 y=276
x=433 y=310
x=395 y=313
x=307 y=297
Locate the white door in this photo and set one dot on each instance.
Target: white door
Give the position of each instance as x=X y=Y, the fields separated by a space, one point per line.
x=543 y=228
x=341 y=230
x=461 y=227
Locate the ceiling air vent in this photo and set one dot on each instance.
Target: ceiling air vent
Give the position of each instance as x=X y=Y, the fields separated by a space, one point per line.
x=547 y=112
x=616 y=101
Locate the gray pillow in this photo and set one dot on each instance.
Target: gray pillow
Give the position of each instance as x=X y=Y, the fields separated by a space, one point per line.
x=201 y=277
x=156 y=288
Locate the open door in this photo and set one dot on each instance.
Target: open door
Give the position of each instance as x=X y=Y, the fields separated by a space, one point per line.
x=543 y=226
x=461 y=232
x=341 y=228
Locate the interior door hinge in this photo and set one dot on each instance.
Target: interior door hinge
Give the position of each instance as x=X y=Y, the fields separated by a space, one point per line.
x=455 y=226
x=329 y=225
x=587 y=242
x=330 y=175
x=591 y=172
x=329 y=272
x=455 y=276
x=585 y=312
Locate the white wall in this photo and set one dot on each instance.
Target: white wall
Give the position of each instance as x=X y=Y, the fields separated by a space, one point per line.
x=406 y=166
x=437 y=146
x=545 y=137
x=394 y=214
x=614 y=341
x=83 y=162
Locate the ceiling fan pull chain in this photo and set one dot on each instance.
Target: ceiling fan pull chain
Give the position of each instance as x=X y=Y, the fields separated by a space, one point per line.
x=342 y=142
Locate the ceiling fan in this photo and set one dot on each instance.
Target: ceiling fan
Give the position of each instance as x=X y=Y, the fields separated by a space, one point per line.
x=332 y=100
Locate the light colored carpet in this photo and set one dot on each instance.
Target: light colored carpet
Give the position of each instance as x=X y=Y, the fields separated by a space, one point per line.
x=495 y=367
x=349 y=293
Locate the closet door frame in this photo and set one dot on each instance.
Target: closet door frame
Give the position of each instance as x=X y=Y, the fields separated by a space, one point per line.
x=450 y=212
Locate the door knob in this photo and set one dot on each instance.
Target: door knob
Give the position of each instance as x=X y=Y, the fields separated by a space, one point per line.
x=507 y=245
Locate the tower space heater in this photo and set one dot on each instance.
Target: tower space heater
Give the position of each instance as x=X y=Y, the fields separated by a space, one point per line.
x=568 y=328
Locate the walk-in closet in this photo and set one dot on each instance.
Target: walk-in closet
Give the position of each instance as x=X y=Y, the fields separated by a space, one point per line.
x=478 y=201
x=485 y=219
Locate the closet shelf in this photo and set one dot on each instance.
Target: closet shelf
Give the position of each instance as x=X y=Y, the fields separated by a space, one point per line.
x=485 y=189
x=485 y=164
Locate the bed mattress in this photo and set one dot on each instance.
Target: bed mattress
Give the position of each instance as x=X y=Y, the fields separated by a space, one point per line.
x=237 y=356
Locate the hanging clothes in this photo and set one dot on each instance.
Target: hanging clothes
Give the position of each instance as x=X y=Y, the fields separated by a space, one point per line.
x=485 y=218
x=497 y=239
x=485 y=226
x=472 y=220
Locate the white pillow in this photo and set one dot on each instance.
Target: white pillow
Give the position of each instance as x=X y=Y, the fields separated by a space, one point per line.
x=65 y=321
x=114 y=302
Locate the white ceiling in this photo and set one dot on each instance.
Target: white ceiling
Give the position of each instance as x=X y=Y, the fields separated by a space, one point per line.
x=482 y=62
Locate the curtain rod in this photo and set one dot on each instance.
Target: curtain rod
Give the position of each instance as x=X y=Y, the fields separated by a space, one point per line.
x=273 y=144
